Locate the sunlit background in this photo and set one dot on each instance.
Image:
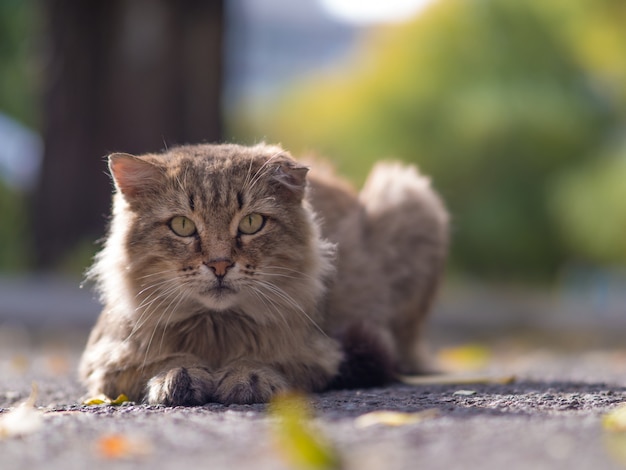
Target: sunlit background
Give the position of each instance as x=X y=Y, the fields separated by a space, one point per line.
x=517 y=109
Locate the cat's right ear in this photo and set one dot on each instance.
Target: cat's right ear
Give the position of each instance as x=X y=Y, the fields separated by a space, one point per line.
x=133 y=175
x=292 y=178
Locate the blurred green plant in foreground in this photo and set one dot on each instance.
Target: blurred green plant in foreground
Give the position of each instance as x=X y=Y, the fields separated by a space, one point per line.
x=297 y=441
x=514 y=108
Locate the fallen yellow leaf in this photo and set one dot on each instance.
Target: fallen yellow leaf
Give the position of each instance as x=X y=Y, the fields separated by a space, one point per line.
x=297 y=441
x=467 y=357
x=615 y=420
x=104 y=400
x=393 y=418
x=99 y=400
x=120 y=400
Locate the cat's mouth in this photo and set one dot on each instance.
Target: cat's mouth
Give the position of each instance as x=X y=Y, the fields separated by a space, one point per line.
x=218 y=296
x=219 y=290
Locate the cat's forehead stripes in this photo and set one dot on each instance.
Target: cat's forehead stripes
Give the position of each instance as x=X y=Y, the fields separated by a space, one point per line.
x=240 y=201
x=209 y=183
x=217 y=181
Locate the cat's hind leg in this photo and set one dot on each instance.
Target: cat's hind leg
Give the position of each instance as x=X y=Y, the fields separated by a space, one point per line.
x=406 y=230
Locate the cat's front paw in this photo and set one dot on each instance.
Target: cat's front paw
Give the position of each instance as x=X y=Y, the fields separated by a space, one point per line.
x=244 y=384
x=181 y=386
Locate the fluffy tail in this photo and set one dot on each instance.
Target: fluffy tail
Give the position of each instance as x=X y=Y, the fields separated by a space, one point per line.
x=407 y=236
x=393 y=186
x=403 y=246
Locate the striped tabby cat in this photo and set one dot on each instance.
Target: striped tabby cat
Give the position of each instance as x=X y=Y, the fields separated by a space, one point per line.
x=232 y=273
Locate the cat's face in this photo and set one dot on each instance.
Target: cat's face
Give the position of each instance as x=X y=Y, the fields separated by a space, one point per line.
x=222 y=226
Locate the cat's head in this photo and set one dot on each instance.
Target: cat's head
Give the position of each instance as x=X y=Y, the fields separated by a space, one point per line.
x=222 y=226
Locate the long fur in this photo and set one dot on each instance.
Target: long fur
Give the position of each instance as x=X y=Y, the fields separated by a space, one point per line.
x=330 y=290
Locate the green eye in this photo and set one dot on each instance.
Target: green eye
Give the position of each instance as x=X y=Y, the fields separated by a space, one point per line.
x=251 y=224
x=182 y=226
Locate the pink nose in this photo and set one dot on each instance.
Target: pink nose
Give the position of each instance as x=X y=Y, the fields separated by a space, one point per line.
x=219 y=266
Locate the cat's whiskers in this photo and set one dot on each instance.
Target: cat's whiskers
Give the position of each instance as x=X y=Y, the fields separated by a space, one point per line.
x=146 y=304
x=154 y=285
x=173 y=294
x=286 y=298
x=288 y=276
x=157 y=295
x=162 y=296
x=246 y=180
x=269 y=303
x=284 y=268
x=179 y=182
x=183 y=295
x=158 y=273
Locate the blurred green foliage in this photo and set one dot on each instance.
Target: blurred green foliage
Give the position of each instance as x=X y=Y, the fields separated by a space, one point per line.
x=516 y=108
x=19 y=97
x=590 y=205
x=507 y=104
x=20 y=21
x=14 y=239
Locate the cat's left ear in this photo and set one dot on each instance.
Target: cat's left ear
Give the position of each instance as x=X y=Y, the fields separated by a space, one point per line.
x=292 y=177
x=133 y=175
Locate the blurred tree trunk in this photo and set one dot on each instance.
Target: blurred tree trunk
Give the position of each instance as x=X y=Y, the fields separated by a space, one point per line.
x=123 y=75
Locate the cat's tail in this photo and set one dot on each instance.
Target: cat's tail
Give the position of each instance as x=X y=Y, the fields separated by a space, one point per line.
x=393 y=186
x=407 y=237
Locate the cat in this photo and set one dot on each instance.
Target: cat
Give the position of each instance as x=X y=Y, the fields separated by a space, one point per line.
x=232 y=273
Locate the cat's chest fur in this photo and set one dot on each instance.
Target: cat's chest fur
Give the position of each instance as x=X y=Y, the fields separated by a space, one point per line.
x=220 y=337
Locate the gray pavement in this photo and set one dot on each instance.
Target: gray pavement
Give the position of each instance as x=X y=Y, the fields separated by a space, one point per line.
x=568 y=376
x=550 y=418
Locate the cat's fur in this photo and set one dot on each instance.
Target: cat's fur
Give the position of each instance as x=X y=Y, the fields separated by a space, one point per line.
x=330 y=292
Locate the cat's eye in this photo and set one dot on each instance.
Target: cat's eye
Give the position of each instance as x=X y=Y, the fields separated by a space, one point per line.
x=182 y=226
x=251 y=224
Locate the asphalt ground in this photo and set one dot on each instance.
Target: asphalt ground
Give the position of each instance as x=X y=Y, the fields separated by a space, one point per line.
x=549 y=417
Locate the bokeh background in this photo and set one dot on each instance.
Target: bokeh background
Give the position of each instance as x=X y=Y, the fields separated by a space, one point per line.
x=516 y=108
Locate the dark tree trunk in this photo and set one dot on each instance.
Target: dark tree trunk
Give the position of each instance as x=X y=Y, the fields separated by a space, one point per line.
x=124 y=75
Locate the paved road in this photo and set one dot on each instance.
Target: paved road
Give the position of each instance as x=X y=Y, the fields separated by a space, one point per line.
x=550 y=418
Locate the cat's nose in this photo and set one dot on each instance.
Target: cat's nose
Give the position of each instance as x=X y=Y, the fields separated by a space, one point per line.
x=219 y=266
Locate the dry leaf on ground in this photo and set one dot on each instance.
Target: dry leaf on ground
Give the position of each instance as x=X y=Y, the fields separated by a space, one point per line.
x=23 y=419
x=466 y=357
x=615 y=420
x=393 y=418
x=120 y=446
x=464 y=393
x=104 y=400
